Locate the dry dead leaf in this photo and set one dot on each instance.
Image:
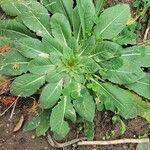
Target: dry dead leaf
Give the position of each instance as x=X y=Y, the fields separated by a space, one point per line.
x=5 y=48
x=4 y=84
x=34 y=108
x=19 y=124
x=97 y=100
x=7 y=100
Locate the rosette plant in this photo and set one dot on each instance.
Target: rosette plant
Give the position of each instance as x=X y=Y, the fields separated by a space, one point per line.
x=67 y=51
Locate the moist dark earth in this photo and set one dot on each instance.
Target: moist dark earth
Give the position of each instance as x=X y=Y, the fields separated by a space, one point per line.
x=103 y=124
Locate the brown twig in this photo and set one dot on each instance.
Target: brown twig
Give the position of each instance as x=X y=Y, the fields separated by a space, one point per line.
x=114 y=142
x=80 y=142
x=55 y=144
x=147 y=31
x=3 y=113
x=13 y=109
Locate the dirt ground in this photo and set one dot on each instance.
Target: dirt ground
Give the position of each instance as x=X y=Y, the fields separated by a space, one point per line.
x=103 y=124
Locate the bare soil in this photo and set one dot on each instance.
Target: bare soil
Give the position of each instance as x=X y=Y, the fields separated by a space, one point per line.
x=103 y=123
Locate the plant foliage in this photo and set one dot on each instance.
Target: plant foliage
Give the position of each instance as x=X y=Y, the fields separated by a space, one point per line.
x=67 y=50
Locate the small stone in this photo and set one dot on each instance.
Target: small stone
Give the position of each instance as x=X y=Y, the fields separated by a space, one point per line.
x=45 y=148
x=7 y=132
x=33 y=136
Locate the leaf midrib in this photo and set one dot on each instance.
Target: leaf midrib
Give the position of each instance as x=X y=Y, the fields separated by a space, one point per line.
x=112 y=21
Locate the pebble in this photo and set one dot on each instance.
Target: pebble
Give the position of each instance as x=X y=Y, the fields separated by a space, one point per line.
x=7 y=132
x=33 y=136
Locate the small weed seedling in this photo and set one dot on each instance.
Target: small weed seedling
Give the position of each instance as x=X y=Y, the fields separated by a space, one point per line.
x=67 y=50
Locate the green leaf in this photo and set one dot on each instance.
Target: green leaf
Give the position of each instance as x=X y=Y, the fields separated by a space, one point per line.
x=41 y=66
x=105 y=50
x=52 y=45
x=112 y=21
x=9 y=8
x=143 y=146
x=13 y=63
x=60 y=28
x=64 y=7
x=89 y=130
x=54 y=76
x=127 y=36
x=117 y=119
x=26 y=85
x=90 y=66
x=13 y=29
x=32 y=122
x=44 y=123
x=128 y=104
x=4 y=41
x=86 y=12
x=99 y=6
x=88 y=46
x=70 y=87
x=34 y=16
x=138 y=54
x=85 y=107
x=76 y=24
x=57 y=123
x=128 y=73
x=50 y=94
x=147 y=116
x=141 y=87
x=31 y=48
x=70 y=111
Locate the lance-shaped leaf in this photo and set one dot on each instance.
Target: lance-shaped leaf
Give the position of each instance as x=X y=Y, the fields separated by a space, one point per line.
x=50 y=94
x=60 y=28
x=13 y=63
x=64 y=7
x=138 y=54
x=90 y=65
x=112 y=21
x=105 y=50
x=128 y=73
x=9 y=8
x=89 y=130
x=34 y=16
x=41 y=66
x=57 y=123
x=13 y=29
x=141 y=87
x=31 y=48
x=27 y=84
x=85 y=107
x=143 y=146
x=70 y=111
x=43 y=126
x=52 y=45
x=32 y=122
x=86 y=12
x=76 y=24
x=128 y=104
x=99 y=6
